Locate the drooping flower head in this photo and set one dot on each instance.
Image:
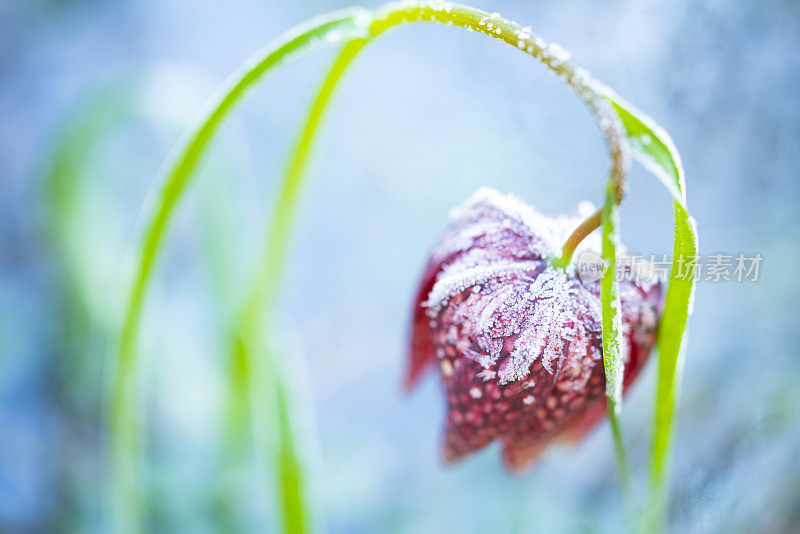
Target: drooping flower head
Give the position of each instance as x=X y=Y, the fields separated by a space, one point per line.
x=518 y=342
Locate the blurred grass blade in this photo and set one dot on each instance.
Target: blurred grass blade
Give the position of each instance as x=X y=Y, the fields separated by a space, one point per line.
x=249 y=348
x=653 y=147
x=124 y=421
x=95 y=117
x=612 y=327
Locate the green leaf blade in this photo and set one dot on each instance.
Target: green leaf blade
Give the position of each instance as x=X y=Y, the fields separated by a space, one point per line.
x=609 y=291
x=263 y=374
x=613 y=363
x=653 y=147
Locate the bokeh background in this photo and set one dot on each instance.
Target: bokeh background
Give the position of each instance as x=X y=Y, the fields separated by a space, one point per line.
x=94 y=93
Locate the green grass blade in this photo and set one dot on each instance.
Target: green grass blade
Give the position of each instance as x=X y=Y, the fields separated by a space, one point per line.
x=124 y=420
x=671 y=334
x=613 y=363
x=273 y=259
x=98 y=113
x=259 y=309
x=653 y=147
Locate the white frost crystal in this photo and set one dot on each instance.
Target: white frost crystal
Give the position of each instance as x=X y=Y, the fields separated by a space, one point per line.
x=502 y=247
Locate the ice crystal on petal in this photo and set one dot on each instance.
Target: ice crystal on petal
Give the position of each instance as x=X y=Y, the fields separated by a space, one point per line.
x=555 y=310
x=490 y=213
x=457 y=278
x=486 y=374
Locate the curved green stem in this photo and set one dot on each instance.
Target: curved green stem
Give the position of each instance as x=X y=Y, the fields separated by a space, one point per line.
x=248 y=341
x=273 y=257
x=550 y=55
x=580 y=233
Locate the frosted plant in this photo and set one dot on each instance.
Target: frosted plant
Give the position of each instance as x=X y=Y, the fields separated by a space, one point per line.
x=518 y=341
x=482 y=353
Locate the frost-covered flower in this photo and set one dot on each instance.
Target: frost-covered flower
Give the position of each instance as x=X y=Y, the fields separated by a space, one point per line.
x=518 y=342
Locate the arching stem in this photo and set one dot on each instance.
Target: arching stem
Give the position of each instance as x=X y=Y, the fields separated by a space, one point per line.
x=589 y=225
x=262 y=373
x=583 y=230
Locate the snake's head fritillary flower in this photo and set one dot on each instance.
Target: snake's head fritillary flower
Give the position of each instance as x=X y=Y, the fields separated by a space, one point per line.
x=518 y=342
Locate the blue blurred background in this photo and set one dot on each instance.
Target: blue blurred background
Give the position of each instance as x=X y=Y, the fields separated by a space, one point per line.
x=93 y=95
